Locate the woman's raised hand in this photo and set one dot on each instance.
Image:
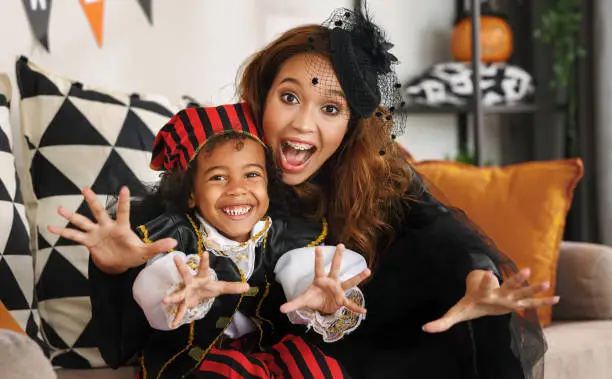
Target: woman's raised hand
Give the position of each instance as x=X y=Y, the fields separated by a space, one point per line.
x=485 y=297
x=113 y=246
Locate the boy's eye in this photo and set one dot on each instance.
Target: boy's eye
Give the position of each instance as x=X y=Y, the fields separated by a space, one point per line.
x=289 y=98
x=217 y=177
x=253 y=174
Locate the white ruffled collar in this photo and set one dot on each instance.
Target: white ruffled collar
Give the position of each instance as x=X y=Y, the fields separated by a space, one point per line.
x=212 y=235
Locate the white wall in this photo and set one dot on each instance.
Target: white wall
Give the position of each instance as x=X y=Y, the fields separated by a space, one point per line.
x=196 y=46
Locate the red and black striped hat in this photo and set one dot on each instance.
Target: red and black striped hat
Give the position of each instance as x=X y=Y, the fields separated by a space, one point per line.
x=180 y=140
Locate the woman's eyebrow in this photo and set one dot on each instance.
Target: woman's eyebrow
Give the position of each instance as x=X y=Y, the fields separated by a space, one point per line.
x=289 y=79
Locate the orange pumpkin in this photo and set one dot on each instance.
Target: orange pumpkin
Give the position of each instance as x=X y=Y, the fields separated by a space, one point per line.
x=495 y=39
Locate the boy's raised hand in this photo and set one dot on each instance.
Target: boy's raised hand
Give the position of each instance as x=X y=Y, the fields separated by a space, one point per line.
x=199 y=288
x=113 y=246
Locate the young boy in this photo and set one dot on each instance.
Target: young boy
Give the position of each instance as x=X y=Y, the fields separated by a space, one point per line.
x=217 y=290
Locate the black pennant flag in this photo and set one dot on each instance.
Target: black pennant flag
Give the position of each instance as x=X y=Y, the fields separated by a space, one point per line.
x=146 y=7
x=38 y=14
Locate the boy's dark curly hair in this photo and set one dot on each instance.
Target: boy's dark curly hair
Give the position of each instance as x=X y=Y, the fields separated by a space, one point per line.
x=172 y=192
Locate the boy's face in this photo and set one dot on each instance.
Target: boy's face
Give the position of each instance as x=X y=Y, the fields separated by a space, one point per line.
x=230 y=187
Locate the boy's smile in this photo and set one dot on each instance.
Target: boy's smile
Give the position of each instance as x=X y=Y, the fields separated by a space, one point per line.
x=230 y=186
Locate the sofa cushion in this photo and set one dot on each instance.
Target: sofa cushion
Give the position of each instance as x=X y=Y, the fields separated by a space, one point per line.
x=585 y=282
x=78 y=136
x=22 y=357
x=16 y=262
x=580 y=349
x=522 y=207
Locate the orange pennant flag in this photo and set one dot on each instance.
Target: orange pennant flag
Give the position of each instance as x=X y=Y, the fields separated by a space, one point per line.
x=94 y=10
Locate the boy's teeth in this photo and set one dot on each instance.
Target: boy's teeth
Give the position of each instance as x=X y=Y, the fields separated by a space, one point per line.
x=299 y=146
x=236 y=211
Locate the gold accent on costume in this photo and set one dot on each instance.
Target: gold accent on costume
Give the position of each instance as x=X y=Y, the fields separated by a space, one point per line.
x=196 y=353
x=242 y=279
x=145 y=234
x=189 y=343
x=143 y=368
x=198 y=234
x=253 y=291
x=222 y=321
x=258 y=316
x=321 y=236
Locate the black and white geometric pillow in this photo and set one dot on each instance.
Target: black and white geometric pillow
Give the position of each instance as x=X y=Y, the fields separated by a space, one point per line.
x=16 y=261
x=450 y=83
x=78 y=136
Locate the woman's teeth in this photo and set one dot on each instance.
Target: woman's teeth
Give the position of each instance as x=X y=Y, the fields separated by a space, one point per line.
x=237 y=211
x=298 y=145
x=296 y=153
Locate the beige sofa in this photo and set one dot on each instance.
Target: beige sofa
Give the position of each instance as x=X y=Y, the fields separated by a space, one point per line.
x=580 y=338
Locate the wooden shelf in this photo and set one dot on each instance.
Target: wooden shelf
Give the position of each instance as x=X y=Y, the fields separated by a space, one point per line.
x=466 y=109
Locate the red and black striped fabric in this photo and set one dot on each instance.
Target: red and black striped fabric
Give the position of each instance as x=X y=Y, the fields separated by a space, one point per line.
x=179 y=141
x=292 y=357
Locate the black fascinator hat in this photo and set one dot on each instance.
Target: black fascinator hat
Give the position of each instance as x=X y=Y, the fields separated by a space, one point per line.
x=365 y=67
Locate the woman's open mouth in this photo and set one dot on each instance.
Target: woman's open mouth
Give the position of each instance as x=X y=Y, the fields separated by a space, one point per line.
x=295 y=155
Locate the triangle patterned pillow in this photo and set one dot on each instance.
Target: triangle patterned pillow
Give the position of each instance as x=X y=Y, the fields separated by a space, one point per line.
x=78 y=136
x=16 y=261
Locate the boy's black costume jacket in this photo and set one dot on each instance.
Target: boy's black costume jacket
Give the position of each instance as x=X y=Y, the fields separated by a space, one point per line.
x=124 y=332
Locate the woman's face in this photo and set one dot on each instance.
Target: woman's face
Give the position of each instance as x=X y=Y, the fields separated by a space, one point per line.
x=305 y=116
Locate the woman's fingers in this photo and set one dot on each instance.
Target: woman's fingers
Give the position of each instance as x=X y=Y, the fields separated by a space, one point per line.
x=517 y=280
x=319 y=265
x=76 y=219
x=123 y=208
x=537 y=303
x=356 y=280
x=336 y=262
x=96 y=207
x=459 y=313
x=530 y=291
x=71 y=234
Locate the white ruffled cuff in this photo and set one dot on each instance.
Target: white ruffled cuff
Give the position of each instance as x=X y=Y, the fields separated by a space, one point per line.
x=335 y=326
x=161 y=278
x=295 y=272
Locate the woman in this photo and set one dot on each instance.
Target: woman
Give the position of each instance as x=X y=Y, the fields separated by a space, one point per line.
x=326 y=98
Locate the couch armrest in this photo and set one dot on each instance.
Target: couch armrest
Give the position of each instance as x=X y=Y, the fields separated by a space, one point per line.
x=584 y=282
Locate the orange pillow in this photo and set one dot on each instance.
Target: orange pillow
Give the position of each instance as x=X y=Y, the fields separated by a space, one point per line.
x=522 y=207
x=7 y=321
